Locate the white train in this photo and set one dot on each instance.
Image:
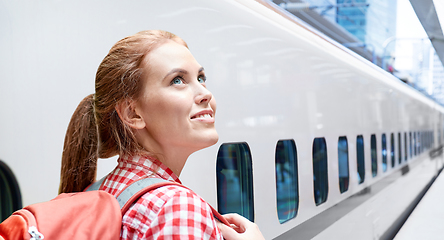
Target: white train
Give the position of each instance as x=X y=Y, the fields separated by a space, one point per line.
x=315 y=142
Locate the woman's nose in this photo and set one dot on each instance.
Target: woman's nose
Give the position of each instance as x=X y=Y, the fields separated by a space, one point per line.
x=203 y=95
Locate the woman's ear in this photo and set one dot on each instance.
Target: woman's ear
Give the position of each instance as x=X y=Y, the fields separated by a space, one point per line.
x=127 y=113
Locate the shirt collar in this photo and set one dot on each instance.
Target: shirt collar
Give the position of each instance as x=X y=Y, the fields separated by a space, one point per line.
x=150 y=165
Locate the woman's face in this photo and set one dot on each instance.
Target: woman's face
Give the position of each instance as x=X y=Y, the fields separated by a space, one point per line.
x=177 y=108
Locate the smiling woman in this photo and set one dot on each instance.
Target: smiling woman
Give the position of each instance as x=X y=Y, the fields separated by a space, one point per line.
x=175 y=113
x=152 y=108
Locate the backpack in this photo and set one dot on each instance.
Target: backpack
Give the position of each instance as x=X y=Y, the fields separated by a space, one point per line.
x=93 y=214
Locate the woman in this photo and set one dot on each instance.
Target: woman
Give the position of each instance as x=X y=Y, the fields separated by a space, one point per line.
x=151 y=107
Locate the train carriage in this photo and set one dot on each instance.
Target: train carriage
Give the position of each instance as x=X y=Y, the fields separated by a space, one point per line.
x=315 y=141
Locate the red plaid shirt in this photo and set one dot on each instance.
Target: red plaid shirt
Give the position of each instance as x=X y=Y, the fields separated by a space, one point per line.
x=169 y=212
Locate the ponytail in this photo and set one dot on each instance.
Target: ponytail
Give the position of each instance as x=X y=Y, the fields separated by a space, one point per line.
x=79 y=157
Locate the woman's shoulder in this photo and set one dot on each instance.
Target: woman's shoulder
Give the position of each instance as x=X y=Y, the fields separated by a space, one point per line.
x=169 y=207
x=175 y=195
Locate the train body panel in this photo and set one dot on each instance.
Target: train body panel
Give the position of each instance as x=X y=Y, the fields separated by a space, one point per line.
x=273 y=79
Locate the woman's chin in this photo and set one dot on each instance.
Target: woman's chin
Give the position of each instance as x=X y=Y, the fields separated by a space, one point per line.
x=209 y=141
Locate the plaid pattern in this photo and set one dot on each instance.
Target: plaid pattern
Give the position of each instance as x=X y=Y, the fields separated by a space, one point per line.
x=169 y=212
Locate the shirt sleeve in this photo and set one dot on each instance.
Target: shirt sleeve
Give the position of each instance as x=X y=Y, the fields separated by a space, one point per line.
x=170 y=212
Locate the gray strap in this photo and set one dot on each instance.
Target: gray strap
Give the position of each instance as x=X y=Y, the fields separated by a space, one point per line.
x=129 y=191
x=95 y=186
x=135 y=187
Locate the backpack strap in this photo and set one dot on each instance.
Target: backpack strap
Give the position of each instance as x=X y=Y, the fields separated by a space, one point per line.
x=137 y=189
x=95 y=185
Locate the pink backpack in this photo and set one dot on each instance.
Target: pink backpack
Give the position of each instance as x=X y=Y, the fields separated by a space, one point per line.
x=93 y=214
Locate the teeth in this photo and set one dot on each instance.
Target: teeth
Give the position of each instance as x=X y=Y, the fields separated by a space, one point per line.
x=204 y=116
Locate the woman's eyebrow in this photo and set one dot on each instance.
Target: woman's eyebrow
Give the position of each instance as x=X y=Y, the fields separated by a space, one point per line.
x=180 y=70
x=176 y=70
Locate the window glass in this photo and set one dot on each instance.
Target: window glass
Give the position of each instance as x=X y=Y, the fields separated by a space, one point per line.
x=320 y=171
x=235 y=180
x=384 y=153
x=343 y=164
x=392 y=149
x=374 y=155
x=405 y=147
x=360 y=159
x=410 y=144
x=399 y=148
x=286 y=180
x=10 y=197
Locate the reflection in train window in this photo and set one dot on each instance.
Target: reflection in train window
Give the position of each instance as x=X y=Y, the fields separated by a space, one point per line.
x=405 y=146
x=374 y=155
x=286 y=180
x=343 y=164
x=399 y=148
x=320 y=171
x=410 y=144
x=235 y=180
x=10 y=197
x=360 y=159
x=392 y=149
x=384 y=152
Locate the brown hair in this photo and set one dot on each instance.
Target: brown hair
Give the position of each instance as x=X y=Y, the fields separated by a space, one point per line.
x=95 y=130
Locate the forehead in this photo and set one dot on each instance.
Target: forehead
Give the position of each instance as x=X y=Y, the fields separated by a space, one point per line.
x=168 y=56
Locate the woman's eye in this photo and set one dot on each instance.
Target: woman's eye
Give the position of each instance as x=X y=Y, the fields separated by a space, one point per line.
x=202 y=79
x=177 y=80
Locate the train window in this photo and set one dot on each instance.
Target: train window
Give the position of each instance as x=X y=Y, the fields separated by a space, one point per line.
x=392 y=149
x=10 y=197
x=235 y=180
x=414 y=143
x=343 y=164
x=432 y=138
x=360 y=158
x=405 y=147
x=384 y=152
x=286 y=180
x=374 y=155
x=399 y=148
x=320 y=171
x=410 y=144
x=426 y=139
x=418 y=142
